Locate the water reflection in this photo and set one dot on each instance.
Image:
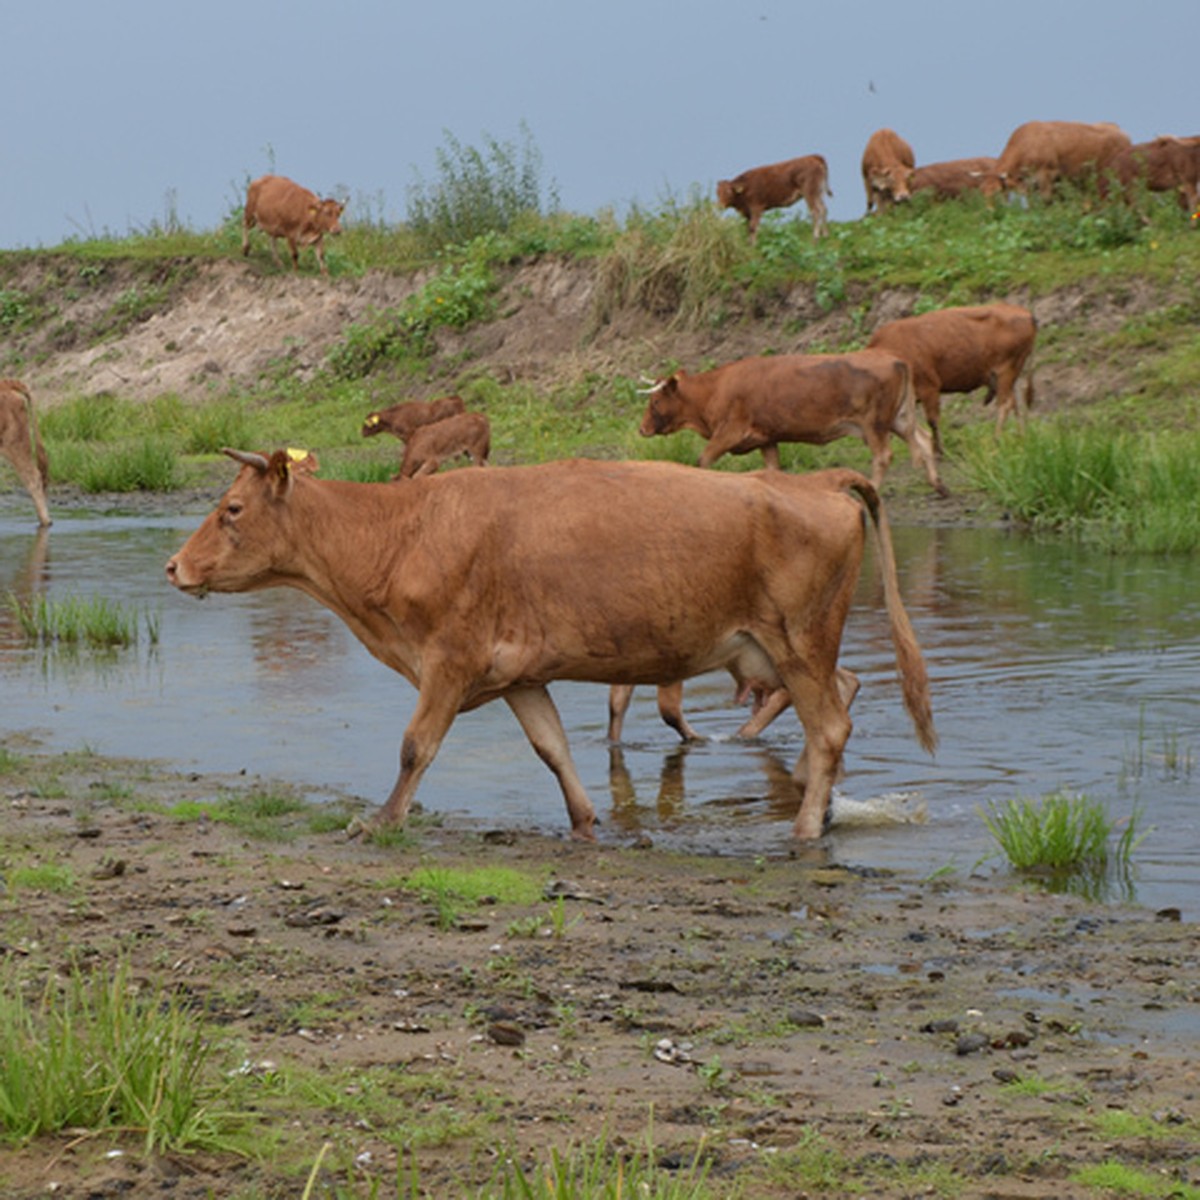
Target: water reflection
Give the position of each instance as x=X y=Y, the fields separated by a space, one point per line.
x=1052 y=668
x=23 y=578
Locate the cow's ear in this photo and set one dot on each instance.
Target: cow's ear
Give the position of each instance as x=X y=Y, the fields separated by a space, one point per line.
x=279 y=473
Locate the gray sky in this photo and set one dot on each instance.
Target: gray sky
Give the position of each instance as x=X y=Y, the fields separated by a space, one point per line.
x=122 y=110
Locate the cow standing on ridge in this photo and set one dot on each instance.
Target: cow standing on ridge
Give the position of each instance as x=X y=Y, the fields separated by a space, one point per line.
x=1039 y=153
x=283 y=209
x=887 y=167
x=778 y=186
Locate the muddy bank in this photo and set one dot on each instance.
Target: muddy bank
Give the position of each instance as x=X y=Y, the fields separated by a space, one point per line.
x=753 y=1010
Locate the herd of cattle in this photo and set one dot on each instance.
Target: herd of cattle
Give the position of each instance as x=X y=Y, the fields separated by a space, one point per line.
x=1037 y=155
x=483 y=585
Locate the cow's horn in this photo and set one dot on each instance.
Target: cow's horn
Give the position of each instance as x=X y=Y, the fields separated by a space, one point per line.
x=247 y=458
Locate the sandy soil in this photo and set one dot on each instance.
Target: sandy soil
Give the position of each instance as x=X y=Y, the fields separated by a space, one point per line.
x=741 y=1008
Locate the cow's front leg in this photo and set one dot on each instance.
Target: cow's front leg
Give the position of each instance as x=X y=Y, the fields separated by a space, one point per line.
x=432 y=719
x=539 y=718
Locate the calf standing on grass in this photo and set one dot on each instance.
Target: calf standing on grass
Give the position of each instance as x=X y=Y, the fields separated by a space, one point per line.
x=401 y=419
x=468 y=434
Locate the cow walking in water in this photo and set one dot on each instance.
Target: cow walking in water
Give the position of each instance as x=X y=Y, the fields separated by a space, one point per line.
x=21 y=444
x=488 y=585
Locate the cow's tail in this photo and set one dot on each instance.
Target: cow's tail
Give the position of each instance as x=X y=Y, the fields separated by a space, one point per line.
x=914 y=678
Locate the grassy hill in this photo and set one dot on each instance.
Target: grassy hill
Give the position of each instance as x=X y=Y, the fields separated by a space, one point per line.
x=148 y=353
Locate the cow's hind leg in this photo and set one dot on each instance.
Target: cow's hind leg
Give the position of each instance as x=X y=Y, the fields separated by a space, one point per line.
x=827 y=726
x=670 y=708
x=619 y=696
x=539 y=718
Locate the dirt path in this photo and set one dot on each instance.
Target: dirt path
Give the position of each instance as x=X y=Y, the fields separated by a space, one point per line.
x=810 y=1029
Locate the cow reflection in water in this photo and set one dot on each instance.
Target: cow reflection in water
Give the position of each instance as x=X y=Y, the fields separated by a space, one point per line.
x=26 y=584
x=781 y=801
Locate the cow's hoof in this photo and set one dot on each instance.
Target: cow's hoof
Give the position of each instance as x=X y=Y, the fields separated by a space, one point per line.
x=357 y=828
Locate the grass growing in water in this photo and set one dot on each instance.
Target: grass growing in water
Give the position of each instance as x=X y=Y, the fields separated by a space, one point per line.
x=1061 y=834
x=94 y=621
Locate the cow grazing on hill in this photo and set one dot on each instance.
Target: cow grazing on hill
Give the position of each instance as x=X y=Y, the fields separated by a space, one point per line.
x=756 y=403
x=887 y=167
x=961 y=349
x=283 y=209
x=21 y=444
x=401 y=419
x=778 y=186
x=957 y=177
x=1166 y=164
x=429 y=446
x=487 y=585
x=1040 y=153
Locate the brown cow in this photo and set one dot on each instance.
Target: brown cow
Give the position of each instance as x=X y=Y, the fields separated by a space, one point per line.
x=401 y=419
x=1167 y=164
x=756 y=403
x=961 y=349
x=956 y=177
x=429 y=446
x=887 y=167
x=1043 y=152
x=778 y=186
x=21 y=444
x=487 y=585
x=283 y=209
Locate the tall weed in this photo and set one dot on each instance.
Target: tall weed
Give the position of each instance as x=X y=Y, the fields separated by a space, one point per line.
x=478 y=191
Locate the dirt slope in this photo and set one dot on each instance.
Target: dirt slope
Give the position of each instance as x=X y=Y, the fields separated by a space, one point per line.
x=201 y=328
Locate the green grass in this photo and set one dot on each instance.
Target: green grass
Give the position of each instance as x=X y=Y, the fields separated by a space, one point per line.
x=1062 y=834
x=93 y=621
x=449 y=888
x=94 y=1053
x=1119 y=490
x=263 y=814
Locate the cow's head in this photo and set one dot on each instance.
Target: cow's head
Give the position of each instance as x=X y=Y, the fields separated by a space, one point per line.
x=241 y=545
x=895 y=182
x=372 y=425
x=664 y=409
x=325 y=215
x=725 y=193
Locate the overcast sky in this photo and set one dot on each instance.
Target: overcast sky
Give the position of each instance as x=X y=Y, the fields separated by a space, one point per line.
x=122 y=111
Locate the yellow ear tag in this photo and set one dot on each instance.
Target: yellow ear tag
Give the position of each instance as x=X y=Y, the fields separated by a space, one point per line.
x=296 y=455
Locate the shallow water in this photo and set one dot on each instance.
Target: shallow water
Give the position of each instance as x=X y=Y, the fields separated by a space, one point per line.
x=1052 y=667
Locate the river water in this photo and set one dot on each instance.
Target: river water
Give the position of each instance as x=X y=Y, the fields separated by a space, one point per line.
x=1053 y=668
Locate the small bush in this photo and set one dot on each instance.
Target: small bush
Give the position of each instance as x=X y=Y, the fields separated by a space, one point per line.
x=478 y=191
x=1061 y=832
